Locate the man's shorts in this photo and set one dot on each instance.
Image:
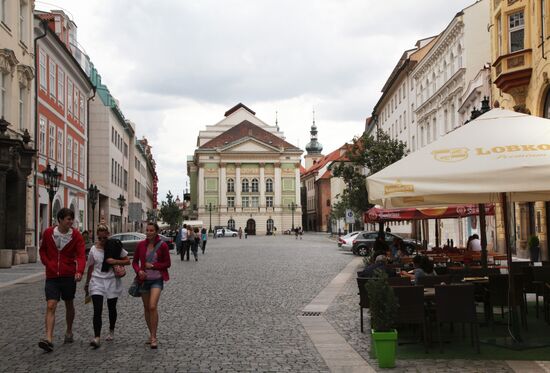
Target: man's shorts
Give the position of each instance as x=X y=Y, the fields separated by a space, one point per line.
x=60 y=287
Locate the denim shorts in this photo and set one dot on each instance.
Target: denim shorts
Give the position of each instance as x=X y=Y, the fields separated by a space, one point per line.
x=149 y=284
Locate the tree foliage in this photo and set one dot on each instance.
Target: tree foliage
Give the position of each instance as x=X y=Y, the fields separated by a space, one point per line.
x=366 y=156
x=170 y=213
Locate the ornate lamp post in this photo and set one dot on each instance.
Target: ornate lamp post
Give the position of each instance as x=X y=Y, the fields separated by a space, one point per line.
x=292 y=208
x=121 y=203
x=51 y=181
x=209 y=207
x=93 y=194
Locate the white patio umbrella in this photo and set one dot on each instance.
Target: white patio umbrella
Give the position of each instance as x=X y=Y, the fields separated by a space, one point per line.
x=501 y=151
x=500 y=155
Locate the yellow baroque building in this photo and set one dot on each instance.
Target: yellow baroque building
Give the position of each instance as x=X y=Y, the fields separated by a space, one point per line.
x=243 y=174
x=520 y=43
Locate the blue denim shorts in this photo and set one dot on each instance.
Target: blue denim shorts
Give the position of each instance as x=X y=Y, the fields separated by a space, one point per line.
x=149 y=284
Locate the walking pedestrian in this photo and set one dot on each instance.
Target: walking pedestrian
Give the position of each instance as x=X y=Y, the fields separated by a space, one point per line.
x=190 y=241
x=151 y=262
x=62 y=251
x=301 y=231
x=240 y=233
x=101 y=281
x=245 y=232
x=296 y=231
x=204 y=237
x=195 y=243
x=184 y=245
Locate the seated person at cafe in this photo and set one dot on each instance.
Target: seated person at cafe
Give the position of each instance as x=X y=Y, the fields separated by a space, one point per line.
x=423 y=266
x=396 y=244
x=474 y=244
x=380 y=246
x=380 y=263
x=400 y=254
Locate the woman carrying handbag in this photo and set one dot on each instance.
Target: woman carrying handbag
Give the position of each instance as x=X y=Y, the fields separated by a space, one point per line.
x=151 y=262
x=106 y=262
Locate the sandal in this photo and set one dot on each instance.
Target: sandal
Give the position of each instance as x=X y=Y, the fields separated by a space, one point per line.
x=110 y=336
x=95 y=343
x=68 y=338
x=154 y=343
x=45 y=345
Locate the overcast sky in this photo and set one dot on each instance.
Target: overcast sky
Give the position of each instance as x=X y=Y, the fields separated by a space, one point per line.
x=178 y=65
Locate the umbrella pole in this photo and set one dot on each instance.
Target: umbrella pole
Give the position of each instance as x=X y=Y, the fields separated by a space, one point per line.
x=512 y=309
x=437 y=233
x=483 y=231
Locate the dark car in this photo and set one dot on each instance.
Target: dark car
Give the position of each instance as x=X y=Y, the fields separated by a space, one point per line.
x=364 y=243
x=129 y=240
x=169 y=241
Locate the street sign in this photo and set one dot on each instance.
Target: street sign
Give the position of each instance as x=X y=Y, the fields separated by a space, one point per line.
x=350 y=218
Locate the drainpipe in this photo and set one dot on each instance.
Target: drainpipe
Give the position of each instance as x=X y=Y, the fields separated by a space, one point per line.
x=36 y=132
x=542 y=28
x=88 y=153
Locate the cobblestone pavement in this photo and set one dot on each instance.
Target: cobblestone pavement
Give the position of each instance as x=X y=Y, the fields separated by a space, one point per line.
x=343 y=315
x=233 y=311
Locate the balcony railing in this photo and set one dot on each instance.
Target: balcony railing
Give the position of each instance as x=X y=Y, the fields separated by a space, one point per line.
x=513 y=70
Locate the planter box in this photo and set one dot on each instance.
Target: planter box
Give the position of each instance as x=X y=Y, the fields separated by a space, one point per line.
x=384 y=347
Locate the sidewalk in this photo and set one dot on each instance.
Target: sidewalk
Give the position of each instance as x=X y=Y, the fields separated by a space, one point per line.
x=22 y=273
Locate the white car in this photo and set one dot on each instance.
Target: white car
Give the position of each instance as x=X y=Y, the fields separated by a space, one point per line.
x=228 y=233
x=346 y=242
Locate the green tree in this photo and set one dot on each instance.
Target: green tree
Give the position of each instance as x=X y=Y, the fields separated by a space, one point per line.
x=169 y=212
x=366 y=156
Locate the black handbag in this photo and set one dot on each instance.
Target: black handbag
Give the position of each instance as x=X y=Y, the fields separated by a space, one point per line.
x=135 y=289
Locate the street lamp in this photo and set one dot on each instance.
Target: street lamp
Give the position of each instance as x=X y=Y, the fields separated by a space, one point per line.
x=292 y=208
x=121 y=203
x=51 y=181
x=210 y=208
x=93 y=193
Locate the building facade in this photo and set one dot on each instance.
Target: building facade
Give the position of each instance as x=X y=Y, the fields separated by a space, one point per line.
x=243 y=174
x=520 y=30
x=63 y=92
x=17 y=133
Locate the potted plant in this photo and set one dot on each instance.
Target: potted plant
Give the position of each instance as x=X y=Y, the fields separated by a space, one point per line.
x=383 y=311
x=534 y=248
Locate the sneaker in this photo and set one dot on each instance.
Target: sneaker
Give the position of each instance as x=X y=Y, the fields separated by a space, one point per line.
x=95 y=343
x=45 y=345
x=110 y=336
x=68 y=338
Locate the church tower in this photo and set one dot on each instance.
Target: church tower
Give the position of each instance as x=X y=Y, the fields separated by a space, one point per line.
x=313 y=148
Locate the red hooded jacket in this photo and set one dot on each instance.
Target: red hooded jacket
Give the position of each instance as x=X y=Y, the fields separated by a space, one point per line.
x=163 y=257
x=66 y=262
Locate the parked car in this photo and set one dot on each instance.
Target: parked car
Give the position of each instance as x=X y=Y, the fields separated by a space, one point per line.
x=364 y=243
x=345 y=238
x=346 y=242
x=226 y=232
x=129 y=240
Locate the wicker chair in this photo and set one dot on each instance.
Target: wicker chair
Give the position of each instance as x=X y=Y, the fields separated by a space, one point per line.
x=411 y=308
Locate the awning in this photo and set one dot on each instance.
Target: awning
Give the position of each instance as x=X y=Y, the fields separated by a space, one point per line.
x=377 y=215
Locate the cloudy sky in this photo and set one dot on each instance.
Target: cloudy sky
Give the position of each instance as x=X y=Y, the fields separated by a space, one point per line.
x=178 y=65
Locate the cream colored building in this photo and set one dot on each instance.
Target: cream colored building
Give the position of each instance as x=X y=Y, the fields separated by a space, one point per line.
x=16 y=107
x=520 y=41
x=244 y=174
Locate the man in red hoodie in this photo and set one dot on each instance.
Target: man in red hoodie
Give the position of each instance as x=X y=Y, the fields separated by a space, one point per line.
x=62 y=251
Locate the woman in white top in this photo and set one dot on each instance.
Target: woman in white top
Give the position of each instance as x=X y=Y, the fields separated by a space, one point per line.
x=101 y=281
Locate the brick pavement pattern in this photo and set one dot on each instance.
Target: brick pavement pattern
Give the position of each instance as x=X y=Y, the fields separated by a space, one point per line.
x=235 y=310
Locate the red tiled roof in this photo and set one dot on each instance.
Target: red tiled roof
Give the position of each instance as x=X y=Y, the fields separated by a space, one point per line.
x=302 y=170
x=247 y=129
x=237 y=107
x=326 y=175
x=331 y=157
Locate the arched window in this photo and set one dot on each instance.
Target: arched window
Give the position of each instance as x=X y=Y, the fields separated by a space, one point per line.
x=230 y=185
x=269 y=225
x=269 y=186
x=231 y=224
x=245 y=186
x=255 y=185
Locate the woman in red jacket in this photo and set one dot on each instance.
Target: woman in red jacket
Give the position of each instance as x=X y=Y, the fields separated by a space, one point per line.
x=151 y=262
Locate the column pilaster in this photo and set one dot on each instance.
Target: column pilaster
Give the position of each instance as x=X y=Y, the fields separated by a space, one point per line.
x=297 y=186
x=238 y=185
x=223 y=185
x=277 y=186
x=262 y=185
x=200 y=194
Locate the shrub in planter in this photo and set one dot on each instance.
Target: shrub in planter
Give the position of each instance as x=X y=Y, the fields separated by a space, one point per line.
x=534 y=248
x=383 y=311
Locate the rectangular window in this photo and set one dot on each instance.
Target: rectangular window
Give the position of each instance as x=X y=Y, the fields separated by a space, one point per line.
x=516 y=31
x=255 y=202
x=22 y=21
x=3 y=12
x=75 y=156
x=125 y=150
x=51 y=143
x=69 y=152
x=42 y=139
x=82 y=158
x=53 y=86
x=61 y=88
x=230 y=201
x=499 y=35
x=81 y=112
x=75 y=103
x=70 y=88
x=245 y=201
x=125 y=180
x=269 y=201
x=43 y=76
x=22 y=108
x=135 y=188
x=60 y=145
